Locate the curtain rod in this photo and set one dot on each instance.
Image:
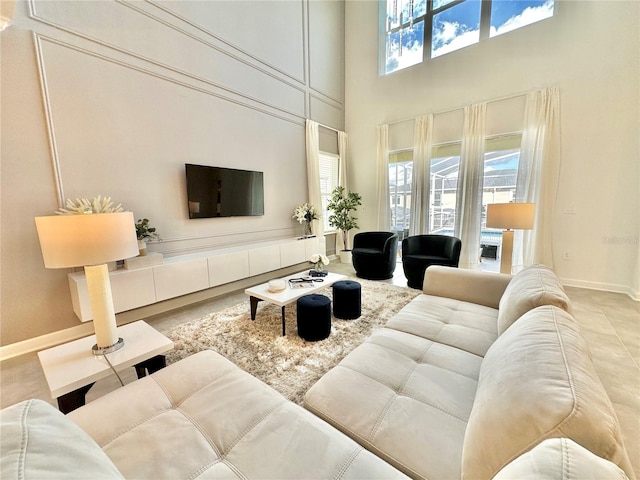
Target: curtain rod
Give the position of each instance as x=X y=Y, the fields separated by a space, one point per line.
x=507 y=97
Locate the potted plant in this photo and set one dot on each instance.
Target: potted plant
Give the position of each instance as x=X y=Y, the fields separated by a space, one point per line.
x=145 y=233
x=342 y=203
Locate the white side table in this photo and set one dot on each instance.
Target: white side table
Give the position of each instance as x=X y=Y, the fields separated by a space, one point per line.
x=71 y=369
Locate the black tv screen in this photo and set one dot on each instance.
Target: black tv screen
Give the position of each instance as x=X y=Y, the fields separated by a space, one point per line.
x=223 y=192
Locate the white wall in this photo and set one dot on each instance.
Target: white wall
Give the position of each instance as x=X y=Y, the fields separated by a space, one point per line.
x=113 y=98
x=590 y=49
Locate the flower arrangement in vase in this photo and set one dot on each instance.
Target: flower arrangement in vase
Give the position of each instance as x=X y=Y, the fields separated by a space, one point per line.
x=305 y=214
x=318 y=261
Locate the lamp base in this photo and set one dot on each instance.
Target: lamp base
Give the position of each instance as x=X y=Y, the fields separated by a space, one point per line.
x=111 y=348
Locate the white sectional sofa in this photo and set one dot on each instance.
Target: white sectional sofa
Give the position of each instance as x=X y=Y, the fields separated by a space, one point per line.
x=483 y=376
x=471 y=375
x=202 y=417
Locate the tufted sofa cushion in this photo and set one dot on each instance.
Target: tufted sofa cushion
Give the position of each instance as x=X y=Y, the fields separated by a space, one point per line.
x=39 y=442
x=537 y=382
x=532 y=287
x=405 y=398
x=205 y=417
x=463 y=325
x=560 y=459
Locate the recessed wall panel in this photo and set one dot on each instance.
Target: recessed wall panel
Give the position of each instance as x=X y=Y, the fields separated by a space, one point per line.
x=168 y=46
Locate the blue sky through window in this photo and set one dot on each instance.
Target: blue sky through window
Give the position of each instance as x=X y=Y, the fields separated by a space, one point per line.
x=456 y=27
x=509 y=15
x=453 y=28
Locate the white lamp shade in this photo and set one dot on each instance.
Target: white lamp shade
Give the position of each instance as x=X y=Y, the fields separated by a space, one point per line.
x=93 y=239
x=518 y=216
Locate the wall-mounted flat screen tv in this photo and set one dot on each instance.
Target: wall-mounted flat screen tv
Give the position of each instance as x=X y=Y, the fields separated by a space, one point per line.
x=223 y=192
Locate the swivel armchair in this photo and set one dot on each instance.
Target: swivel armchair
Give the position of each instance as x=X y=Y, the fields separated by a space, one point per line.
x=420 y=251
x=374 y=254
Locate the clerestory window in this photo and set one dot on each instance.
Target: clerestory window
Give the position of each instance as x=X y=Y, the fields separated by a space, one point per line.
x=413 y=29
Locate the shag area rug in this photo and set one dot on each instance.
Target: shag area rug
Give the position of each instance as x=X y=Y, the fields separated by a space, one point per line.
x=289 y=364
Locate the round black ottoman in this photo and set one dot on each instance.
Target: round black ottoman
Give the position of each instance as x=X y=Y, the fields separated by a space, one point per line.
x=346 y=300
x=314 y=317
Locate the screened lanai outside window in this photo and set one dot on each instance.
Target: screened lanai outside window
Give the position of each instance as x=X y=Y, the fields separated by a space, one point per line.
x=409 y=27
x=499 y=186
x=400 y=176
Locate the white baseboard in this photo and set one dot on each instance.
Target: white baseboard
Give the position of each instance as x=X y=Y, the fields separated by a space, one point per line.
x=605 y=287
x=45 y=341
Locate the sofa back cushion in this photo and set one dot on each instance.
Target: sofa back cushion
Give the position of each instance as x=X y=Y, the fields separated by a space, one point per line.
x=39 y=442
x=537 y=382
x=532 y=287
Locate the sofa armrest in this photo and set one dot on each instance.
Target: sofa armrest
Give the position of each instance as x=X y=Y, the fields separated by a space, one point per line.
x=474 y=286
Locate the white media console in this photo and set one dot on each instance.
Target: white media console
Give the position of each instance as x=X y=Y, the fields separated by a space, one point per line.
x=184 y=274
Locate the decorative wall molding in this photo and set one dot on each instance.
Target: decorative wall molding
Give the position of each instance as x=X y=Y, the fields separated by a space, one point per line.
x=222 y=40
x=240 y=96
x=46 y=100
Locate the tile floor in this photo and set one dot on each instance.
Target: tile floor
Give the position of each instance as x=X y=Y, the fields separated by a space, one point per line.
x=610 y=323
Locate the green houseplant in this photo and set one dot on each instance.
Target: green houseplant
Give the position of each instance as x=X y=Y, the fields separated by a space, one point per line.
x=342 y=204
x=145 y=233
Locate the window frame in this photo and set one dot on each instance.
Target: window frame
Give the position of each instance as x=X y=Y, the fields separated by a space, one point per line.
x=326 y=196
x=430 y=13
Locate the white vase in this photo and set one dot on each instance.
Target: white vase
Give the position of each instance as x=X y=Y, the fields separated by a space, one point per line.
x=142 y=247
x=345 y=256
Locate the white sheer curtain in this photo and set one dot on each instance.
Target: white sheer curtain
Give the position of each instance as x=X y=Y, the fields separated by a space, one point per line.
x=384 y=209
x=313 y=172
x=420 y=189
x=470 y=178
x=343 y=174
x=538 y=173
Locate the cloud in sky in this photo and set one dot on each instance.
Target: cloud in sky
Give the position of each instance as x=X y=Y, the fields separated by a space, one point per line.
x=450 y=36
x=527 y=16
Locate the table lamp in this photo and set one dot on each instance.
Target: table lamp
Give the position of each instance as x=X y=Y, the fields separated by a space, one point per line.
x=90 y=241
x=509 y=216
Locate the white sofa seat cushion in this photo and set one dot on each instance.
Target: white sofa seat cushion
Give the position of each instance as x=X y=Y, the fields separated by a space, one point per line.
x=532 y=287
x=405 y=398
x=537 y=382
x=560 y=459
x=204 y=417
x=460 y=324
x=39 y=442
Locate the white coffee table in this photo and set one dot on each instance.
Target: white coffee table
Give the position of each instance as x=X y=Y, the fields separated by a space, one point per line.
x=288 y=295
x=71 y=369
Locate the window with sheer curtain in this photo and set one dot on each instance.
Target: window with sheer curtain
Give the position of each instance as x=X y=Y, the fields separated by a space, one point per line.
x=329 y=167
x=501 y=158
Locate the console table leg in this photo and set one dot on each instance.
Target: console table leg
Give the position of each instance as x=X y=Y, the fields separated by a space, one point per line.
x=254 y=306
x=72 y=400
x=152 y=365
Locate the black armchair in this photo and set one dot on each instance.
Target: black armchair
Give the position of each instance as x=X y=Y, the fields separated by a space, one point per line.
x=420 y=251
x=374 y=254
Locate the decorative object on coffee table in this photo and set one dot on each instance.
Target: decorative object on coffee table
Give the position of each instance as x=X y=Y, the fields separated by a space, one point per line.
x=277 y=285
x=314 y=317
x=318 y=261
x=347 y=300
